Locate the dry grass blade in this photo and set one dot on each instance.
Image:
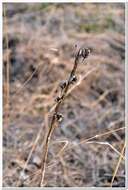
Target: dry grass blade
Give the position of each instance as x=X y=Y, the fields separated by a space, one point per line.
x=63 y=148
x=33 y=148
x=117 y=166
x=73 y=145
x=96 y=136
x=108 y=144
x=26 y=81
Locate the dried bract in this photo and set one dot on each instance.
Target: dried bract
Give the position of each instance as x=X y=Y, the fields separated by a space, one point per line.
x=73 y=79
x=58 y=99
x=59 y=117
x=63 y=84
x=83 y=53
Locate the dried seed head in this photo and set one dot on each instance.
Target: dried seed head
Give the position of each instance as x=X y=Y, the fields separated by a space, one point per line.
x=63 y=84
x=59 y=117
x=73 y=79
x=58 y=99
x=83 y=53
x=86 y=52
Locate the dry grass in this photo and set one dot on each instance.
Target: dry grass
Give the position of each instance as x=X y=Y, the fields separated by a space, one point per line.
x=86 y=148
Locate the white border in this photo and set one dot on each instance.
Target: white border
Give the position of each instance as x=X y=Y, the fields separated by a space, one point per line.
x=64 y=1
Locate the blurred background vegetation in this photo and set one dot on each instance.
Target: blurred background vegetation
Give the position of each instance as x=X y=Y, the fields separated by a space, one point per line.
x=94 y=107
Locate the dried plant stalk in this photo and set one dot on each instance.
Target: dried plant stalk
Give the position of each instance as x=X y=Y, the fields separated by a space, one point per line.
x=82 y=53
x=7 y=69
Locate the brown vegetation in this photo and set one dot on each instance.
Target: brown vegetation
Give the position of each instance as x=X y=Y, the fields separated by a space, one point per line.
x=87 y=147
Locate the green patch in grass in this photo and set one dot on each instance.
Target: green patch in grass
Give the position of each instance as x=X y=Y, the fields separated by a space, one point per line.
x=109 y=23
x=90 y=27
x=96 y=27
x=44 y=6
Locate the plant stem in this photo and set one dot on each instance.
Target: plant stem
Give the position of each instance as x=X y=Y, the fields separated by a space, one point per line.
x=52 y=125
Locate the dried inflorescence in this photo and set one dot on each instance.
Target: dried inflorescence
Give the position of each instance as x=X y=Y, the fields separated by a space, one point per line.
x=64 y=85
x=58 y=99
x=57 y=117
x=84 y=52
x=73 y=79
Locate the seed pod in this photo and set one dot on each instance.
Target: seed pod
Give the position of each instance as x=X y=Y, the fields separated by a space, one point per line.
x=63 y=84
x=58 y=99
x=59 y=117
x=86 y=52
x=73 y=79
x=83 y=53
